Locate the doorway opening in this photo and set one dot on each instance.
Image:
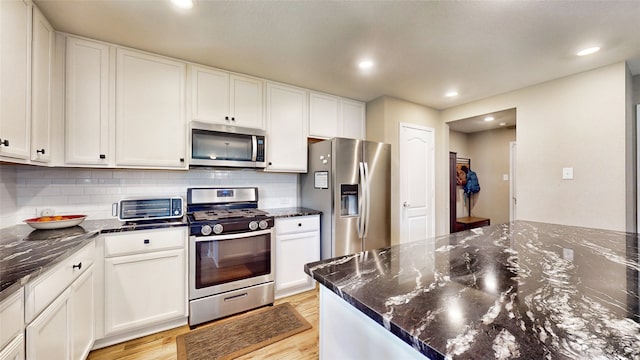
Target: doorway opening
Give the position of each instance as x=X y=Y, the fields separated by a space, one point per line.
x=486 y=144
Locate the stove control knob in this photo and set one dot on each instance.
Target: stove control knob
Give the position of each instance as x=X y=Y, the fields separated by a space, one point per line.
x=253 y=225
x=263 y=224
x=205 y=230
x=217 y=228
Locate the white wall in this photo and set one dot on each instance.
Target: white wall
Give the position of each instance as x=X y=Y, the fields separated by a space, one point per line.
x=577 y=121
x=92 y=191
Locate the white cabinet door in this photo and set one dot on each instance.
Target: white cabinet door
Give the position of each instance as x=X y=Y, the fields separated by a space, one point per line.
x=331 y=116
x=246 y=102
x=87 y=103
x=48 y=336
x=209 y=95
x=150 y=111
x=144 y=289
x=323 y=115
x=41 y=85
x=286 y=128
x=14 y=350
x=12 y=317
x=220 y=97
x=82 y=315
x=15 y=78
x=297 y=244
x=353 y=119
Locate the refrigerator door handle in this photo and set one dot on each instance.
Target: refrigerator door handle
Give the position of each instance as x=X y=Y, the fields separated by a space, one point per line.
x=367 y=210
x=361 y=201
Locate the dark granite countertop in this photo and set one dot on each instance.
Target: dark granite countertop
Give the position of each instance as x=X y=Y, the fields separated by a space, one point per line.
x=26 y=253
x=522 y=290
x=291 y=212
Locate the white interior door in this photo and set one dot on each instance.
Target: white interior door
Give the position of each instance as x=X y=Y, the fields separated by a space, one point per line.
x=512 y=181
x=417 y=182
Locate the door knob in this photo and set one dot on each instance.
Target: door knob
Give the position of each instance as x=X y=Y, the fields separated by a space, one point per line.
x=406 y=204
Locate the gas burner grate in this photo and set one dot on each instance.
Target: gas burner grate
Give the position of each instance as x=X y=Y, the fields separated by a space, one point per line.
x=226 y=214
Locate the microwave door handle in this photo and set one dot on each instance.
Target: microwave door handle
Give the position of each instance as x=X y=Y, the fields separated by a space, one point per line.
x=254 y=147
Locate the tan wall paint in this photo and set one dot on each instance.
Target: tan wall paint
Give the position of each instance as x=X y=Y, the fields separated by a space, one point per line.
x=577 y=121
x=459 y=143
x=489 y=153
x=636 y=89
x=384 y=116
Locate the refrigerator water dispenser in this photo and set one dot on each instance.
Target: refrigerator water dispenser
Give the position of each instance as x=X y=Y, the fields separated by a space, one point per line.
x=348 y=200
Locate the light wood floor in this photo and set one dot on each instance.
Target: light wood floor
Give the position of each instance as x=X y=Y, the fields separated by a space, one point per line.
x=163 y=345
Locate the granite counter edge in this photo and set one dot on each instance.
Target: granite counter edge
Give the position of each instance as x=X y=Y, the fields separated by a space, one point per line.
x=419 y=345
x=97 y=228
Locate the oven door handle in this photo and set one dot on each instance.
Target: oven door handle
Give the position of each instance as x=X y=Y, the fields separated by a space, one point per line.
x=231 y=236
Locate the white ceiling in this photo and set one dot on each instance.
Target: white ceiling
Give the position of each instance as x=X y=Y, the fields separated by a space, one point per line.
x=421 y=49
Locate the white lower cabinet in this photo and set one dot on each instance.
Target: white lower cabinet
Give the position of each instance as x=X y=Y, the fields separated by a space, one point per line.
x=297 y=243
x=64 y=330
x=14 y=350
x=145 y=279
x=82 y=319
x=12 y=326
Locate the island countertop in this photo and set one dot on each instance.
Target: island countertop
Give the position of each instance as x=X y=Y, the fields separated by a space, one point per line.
x=520 y=290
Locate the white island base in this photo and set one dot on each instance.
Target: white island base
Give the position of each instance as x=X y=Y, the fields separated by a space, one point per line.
x=347 y=333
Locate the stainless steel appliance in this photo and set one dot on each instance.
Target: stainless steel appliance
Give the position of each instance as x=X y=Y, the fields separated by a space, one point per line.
x=230 y=146
x=349 y=181
x=231 y=253
x=143 y=209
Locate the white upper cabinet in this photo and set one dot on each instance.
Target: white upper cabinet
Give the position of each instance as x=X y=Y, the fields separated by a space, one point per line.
x=222 y=98
x=246 y=101
x=87 y=103
x=15 y=78
x=323 y=115
x=41 y=85
x=353 y=119
x=287 y=118
x=332 y=116
x=150 y=110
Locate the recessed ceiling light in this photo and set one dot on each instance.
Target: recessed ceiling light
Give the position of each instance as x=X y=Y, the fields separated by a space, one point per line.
x=365 y=64
x=451 y=94
x=489 y=118
x=184 y=4
x=588 y=51
x=502 y=124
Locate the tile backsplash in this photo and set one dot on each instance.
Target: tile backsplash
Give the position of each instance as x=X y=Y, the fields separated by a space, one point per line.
x=27 y=190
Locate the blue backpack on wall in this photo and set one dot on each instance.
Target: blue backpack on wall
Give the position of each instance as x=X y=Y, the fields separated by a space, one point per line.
x=472 y=186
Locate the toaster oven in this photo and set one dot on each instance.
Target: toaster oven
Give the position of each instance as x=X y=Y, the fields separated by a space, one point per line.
x=150 y=208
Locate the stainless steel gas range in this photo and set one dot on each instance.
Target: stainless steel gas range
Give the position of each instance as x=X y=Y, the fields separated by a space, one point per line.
x=231 y=253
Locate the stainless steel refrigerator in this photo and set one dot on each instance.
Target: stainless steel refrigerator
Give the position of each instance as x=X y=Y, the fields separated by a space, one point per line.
x=349 y=181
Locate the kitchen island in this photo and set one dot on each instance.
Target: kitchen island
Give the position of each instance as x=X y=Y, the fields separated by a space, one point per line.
x=519 y=290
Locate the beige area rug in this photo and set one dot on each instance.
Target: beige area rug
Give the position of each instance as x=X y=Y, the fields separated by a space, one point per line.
x=241 y=334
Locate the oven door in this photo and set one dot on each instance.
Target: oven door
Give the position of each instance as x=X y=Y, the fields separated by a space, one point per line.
x=222 y=263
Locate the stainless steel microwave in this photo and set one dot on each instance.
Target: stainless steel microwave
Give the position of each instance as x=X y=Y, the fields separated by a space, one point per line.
x=228 y=146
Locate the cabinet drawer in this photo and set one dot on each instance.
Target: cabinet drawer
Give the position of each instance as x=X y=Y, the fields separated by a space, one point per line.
x=11 y=316
x=137 y=242
x=42 y=291
x=297 y=224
